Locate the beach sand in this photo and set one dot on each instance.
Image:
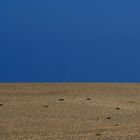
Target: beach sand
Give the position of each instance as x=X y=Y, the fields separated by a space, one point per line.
x=69 y=111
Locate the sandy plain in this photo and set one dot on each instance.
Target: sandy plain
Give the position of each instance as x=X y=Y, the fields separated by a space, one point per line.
x=69 y=111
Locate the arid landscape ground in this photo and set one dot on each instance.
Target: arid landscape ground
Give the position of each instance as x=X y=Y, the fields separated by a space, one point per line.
x=69 y=111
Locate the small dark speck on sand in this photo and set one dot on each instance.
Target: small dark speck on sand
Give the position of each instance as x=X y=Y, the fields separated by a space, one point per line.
x=46 y=106
x=88 y=98
x=118 y=108
x=131 y=102
x=116 y=124
x=61 y=99
x=98 y=134
x=1 y=104
x=108 y=118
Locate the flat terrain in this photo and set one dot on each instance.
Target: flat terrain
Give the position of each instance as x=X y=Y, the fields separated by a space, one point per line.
x=86 y=111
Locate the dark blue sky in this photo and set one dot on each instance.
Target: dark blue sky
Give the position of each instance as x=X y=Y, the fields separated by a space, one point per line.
x=69 y=41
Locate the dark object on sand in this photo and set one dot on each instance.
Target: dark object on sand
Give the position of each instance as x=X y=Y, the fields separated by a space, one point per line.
x=108 y=118
x=118 y=108
x=98 y=134
x=88 y=99
x=1 y=104
x=61 y=99
x=131 y=102
x=46 y=106
x=116 y=124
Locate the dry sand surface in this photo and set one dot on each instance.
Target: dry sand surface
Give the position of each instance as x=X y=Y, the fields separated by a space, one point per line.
x=72 y=111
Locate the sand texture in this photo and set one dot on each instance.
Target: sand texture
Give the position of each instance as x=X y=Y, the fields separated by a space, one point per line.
x=72 y=111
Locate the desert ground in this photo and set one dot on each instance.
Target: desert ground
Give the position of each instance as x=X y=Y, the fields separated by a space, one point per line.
x=69 y=111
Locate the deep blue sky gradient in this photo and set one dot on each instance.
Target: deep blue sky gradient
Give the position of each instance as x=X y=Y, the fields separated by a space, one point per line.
x=69 y=41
